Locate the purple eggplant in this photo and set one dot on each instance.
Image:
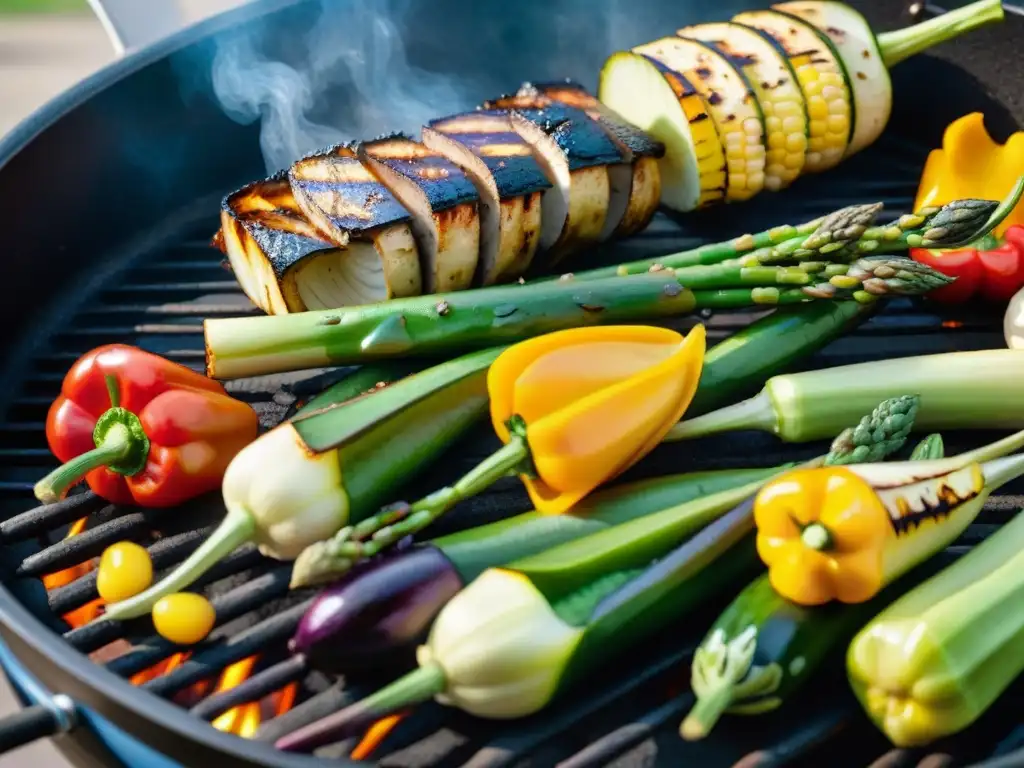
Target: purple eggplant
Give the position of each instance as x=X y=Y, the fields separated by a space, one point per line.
x=379 y=612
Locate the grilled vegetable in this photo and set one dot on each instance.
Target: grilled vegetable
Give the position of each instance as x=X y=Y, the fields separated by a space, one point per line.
x=763 y=648
x=991 y=270
x=564 y=434
x=510 y=183
x=808 y=406
x=443 y=204
x=636 y=182
x=971 y=162
x=665 y=105
x=835 y=236
x=271 y=246
x=843 y=533
x=305 y=479
x=822 y=79
x=504 y=645
x=932 y=662
x=775 y=87
x=576 y=153
x=737 y=366
x=378 y=258
x=142 y=430
x=731 y=104
x=455 y=322
x=386 y=607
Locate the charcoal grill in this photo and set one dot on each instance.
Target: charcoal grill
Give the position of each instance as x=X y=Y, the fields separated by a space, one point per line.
x=112 y=192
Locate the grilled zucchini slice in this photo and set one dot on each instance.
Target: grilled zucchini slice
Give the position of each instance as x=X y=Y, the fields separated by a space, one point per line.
x=861 y=57
x=664 y=104
x=776 y=89
x=375 y=257
x=636 y=183
x=822 y=79
x=731 y=104
x=509 y=181
x=576 y=153
x=443 y=203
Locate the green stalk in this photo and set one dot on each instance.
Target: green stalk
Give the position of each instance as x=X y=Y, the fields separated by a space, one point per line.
x=817 y=404
x=901 y=44
x=713 y=253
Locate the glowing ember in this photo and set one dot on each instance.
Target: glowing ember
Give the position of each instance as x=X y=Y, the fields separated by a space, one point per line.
x=243 y=720
x=375 y=735
x=952 y=324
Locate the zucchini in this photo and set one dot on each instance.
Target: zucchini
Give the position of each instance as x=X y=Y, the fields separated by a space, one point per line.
x=935 y=660
x=776 y=88
x=763 y=648
x=662 y=102
x=731 y=104
x=822 y=79
x=861 y=57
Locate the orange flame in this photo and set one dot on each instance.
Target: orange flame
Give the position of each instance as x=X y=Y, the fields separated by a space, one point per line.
x=376 y=735
x=243 y=720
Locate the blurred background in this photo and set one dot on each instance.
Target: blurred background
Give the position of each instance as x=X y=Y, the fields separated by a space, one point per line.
x=46 y=46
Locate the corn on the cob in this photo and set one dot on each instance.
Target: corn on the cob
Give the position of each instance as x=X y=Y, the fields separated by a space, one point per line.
x=822 y=80
x=731 y=104
x=776 y=89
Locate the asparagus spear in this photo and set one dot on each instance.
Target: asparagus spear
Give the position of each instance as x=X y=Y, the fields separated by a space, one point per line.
x=458 y=322
x=880 y=433
x=847 y=230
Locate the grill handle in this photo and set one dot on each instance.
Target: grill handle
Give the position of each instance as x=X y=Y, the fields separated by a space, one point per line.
x=36 y=722
x=133 y=24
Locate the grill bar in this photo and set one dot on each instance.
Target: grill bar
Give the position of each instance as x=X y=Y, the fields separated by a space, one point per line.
x=265 y=682
x=256 y=614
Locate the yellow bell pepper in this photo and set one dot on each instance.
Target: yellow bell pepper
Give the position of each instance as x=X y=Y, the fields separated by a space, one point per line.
x=573 y=409
x=971 y=164
x=844 y=533
x=592 y=402
x=822 y=533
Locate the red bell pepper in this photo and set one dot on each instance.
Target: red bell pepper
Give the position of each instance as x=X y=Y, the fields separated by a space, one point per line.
x=994 y=271
x=142 y=430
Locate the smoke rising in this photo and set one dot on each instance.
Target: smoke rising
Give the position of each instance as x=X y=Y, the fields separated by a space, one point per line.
x=349 y=75
x=339 y=81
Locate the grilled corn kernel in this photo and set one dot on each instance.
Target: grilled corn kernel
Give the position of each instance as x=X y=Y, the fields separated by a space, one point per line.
x=124 y=571
x=786 y=133
x=828 y=106
x=184 y=618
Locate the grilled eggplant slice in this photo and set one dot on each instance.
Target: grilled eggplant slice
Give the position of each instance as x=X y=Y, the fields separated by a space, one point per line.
x=443 y=202
x=510 y=183
x=286 y=264
x=576 y=153
x=865 y=71
x=636 y=183
x=341 y=198
x=662 y=102
x=822 y=80
x=776 y=89
x=731 y=104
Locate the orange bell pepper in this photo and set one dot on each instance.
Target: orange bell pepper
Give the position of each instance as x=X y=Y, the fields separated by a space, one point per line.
x=971 y=164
